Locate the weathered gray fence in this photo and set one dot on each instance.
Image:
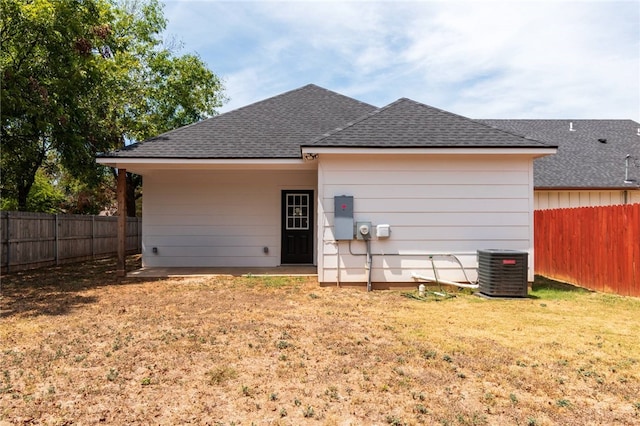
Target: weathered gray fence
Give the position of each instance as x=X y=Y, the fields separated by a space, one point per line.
x=33 y=240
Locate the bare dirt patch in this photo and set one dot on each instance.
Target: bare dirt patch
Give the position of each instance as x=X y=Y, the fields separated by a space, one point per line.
x=80 y=347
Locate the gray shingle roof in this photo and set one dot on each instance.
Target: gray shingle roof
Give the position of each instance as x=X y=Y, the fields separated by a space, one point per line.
x=582 y=160
x=312 y=116
x=272 y=128
x=409 y=124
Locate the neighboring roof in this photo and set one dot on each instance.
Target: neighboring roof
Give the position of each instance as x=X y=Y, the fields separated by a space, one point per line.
x=409 y=124
x=582 y=160
x=272 y=128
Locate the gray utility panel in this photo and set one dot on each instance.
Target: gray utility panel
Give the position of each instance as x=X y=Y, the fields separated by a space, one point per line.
x=343 y=220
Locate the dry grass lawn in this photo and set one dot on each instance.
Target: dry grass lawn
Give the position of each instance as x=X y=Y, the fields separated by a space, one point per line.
x=79 y=347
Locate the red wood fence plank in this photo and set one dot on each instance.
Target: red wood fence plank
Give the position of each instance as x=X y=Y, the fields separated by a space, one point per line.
x=594 y=247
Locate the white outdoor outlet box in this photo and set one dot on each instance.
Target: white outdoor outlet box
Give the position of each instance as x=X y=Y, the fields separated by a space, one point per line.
x=383 y=231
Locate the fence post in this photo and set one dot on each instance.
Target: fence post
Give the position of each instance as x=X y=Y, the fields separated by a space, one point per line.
x=93 y=236
x=8 y=242
x=140 y=235
x=57 y=243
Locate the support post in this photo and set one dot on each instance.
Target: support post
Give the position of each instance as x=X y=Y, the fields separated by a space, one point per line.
x=122 y=222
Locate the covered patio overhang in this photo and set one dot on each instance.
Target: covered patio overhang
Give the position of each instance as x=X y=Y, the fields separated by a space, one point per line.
x=143 y=166
x=146 y=166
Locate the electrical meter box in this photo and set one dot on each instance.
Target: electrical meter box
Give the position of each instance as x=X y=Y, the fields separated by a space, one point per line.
x=343 y=219
x=363 y=230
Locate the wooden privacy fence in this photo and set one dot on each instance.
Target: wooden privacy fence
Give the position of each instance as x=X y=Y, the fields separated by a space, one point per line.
x=593 y=247
x=33 y=240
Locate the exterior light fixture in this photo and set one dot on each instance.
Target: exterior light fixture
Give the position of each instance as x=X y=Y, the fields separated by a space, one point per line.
x=310 y=156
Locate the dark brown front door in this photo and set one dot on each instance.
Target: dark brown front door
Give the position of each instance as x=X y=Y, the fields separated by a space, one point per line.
x=297 y=226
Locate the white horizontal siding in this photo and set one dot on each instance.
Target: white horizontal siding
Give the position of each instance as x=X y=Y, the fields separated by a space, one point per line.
x=216 y=218
x=441 y=205
x=176 y=230
x=434 y=204
x=435 y=190
x=250 y=216
x=442 y=218
x=396 y=269
x=409 y=177
x=223 y=261
x=402 y=233
x=447 y=163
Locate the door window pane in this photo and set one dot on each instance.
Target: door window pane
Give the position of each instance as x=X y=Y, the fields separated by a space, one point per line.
x=297 y=211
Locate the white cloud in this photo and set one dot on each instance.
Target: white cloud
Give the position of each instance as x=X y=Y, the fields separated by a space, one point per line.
x=481 y=59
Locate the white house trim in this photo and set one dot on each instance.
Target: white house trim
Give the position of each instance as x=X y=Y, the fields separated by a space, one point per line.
x=145 y=165
x=536 y=152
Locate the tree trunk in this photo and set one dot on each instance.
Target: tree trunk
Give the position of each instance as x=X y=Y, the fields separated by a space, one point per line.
x=133 y=181
x=23 y=196
x=26 y=180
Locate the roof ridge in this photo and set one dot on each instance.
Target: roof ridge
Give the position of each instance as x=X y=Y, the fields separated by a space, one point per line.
x=557 y=119
x=354 y=122
x=444 y=112
x=513 y=133
x=338 y=93
x=261 y=101
x=422 y=105
x=280 y=95
x=299 y=89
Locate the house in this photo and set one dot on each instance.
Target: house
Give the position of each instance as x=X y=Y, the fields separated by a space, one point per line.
x=294 y=178
x=591 y=167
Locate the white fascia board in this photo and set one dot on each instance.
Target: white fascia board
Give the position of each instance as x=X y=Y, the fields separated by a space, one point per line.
x=148 y=164
x=536 y=152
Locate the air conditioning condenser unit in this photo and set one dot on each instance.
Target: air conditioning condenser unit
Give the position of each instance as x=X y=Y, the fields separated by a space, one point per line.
x=502 y=273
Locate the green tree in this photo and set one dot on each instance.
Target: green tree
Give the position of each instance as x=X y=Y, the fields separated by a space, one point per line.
x=85 y=76
x=48 y=68
x=44 y=196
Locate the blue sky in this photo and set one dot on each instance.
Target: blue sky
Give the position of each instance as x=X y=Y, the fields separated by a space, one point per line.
x=480 y=59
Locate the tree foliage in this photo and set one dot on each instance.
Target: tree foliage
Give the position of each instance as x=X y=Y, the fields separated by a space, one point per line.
x=85 y=76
